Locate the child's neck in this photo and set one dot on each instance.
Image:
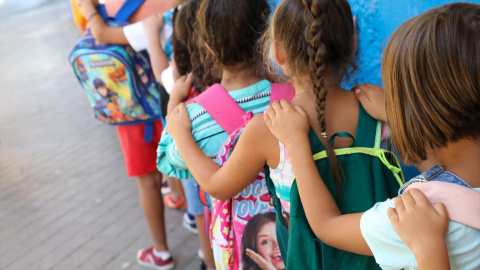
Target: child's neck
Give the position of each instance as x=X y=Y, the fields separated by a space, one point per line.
x=463 y=159
x=234 y=79
x=331 y=83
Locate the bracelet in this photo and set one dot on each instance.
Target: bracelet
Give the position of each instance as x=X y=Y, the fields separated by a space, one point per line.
x=91 y=16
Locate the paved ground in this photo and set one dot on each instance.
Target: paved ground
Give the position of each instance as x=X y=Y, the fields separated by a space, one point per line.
x=65 y=202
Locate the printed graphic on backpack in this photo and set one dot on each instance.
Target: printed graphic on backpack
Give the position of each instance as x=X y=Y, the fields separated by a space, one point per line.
x=118 y=82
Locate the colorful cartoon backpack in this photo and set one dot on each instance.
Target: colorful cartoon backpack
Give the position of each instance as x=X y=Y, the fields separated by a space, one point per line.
x=229 y=218
x=371 y=174
x=118 y=81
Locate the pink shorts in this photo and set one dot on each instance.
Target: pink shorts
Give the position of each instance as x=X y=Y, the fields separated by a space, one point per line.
x=140 y=156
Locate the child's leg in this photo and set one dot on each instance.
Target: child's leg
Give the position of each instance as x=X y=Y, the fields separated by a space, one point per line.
x=175 y=186
x=149 y=186
x=205 y=245
x=176 y=198
x=195 y=208
x=140 y=159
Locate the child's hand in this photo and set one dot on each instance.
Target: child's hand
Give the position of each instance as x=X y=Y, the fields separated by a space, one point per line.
x=181 y=88
x=259 y=260
x=421 y=225
x=372 y=98
x=153 y=24
x=178 y=122
x=289 y=124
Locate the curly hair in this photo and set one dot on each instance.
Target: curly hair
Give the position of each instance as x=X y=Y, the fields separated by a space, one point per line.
x=188 y=56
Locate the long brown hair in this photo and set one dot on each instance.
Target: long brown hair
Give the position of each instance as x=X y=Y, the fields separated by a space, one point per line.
x=431 y=75
x=231 y=29
x=317 y=36
x=187 y=55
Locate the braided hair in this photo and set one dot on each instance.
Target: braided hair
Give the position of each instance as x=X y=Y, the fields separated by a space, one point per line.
x=317 y=36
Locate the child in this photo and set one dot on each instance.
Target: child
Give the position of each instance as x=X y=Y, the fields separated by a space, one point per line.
x=140 y=162
x=431 y=77
x=232 y=47
x=331 y=60
x=230 y=31
x=187 y=62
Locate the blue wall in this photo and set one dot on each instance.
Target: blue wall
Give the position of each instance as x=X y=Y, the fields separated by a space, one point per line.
x=376 y=21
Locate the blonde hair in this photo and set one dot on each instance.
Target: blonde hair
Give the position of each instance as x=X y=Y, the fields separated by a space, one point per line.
x=431 y=76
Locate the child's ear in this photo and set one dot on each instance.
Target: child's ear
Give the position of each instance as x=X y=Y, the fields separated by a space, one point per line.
x=279 y=53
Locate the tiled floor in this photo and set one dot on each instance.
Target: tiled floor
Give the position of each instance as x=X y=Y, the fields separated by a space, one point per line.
x=65 y=200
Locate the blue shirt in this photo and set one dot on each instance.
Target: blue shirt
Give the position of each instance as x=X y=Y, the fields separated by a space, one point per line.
x=390 y=252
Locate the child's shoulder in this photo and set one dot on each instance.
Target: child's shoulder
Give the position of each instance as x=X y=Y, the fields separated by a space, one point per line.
x=258 y=123
x=258 y=129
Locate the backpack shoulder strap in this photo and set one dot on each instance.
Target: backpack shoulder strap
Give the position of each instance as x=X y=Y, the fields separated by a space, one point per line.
x=127 y=9
x=103 y=12
x=280 y=91
x=221 y=107
x=369 y=130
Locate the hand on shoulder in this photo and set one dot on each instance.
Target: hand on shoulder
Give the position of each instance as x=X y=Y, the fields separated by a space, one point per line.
x=178 y=122
x=421 y=225
x=289 y=124
x=372 y=98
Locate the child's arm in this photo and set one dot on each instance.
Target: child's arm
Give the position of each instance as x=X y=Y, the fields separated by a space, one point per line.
x=290 y=126
x=241 y=168
x=100 y=30
x=158 y=58
x=422 y=227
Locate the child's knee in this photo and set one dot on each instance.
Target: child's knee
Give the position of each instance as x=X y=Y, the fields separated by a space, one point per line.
x=148 y=180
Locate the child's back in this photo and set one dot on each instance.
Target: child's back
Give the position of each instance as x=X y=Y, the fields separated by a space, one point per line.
x=431 y=76
x=317 y=39
x=230 y=36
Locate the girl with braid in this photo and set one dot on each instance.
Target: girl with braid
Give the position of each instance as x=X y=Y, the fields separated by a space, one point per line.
x=313 y=42
x=431 y=75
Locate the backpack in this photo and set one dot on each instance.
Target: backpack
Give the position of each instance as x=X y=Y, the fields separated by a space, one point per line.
x=370 y=177
x=230 y=217
x=118 y=81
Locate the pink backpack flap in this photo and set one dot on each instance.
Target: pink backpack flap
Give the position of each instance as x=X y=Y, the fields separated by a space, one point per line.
x=280 y=91
x=462 y=203
x=230 y=217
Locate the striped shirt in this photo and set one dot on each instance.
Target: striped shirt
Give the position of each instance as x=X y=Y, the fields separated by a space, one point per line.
x=206 y=132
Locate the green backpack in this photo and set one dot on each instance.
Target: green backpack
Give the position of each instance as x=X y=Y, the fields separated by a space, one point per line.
x=369 y=178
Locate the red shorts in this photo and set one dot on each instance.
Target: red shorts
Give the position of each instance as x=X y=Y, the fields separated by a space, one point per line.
x=140 y=156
